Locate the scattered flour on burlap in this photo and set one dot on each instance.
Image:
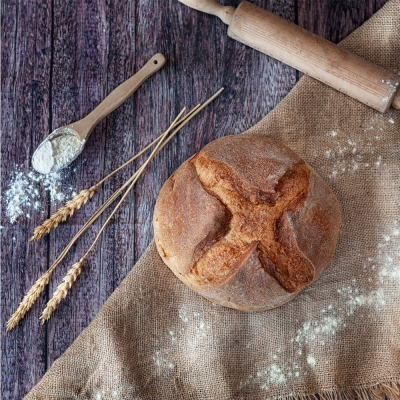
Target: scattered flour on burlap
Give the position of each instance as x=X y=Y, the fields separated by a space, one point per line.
x=350 y=155
x=24 y=192
x=107 y=394
x=194 y=329
x=311 y=360
x=193 y=319
x=160 y=361
x=333 y=318
x=310 y=335
x=346 y=155
x=275 y=374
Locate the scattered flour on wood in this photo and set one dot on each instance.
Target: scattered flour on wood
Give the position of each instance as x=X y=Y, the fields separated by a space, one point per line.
x=24 y=192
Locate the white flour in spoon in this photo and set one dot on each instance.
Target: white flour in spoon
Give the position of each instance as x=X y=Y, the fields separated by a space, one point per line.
x=56 y=153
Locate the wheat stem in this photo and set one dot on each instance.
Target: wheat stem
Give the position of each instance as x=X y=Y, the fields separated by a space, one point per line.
x=80 y=199
x=106 y=204
x=73 y=273
x=174 y=124
x=139 y=172
x=84 y=195
x=161 y=143
x=181 y=123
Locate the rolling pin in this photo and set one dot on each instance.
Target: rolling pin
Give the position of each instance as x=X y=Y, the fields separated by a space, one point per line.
x=323 y=60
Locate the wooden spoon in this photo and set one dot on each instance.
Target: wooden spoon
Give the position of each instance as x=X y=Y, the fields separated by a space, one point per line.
x=81 y=130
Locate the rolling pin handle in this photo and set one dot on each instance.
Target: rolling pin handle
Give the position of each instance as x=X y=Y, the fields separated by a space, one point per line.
x=225 y=13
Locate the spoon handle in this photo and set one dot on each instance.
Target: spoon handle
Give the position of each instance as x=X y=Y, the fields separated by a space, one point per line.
x=85 y=126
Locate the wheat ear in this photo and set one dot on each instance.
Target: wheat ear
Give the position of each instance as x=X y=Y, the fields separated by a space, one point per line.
x=63 y=212
x=28 y=300
x=62 y=290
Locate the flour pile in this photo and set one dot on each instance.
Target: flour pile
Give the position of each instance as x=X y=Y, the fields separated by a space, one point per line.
x=55 y=154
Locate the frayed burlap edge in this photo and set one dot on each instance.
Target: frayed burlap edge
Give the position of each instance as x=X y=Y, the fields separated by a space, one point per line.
x=380 y=391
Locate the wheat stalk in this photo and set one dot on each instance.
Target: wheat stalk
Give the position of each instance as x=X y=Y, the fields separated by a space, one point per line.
x=28 y=301
x=73 y=273
x=178 y=125
x=62 y=290
x=40 y=284
x=38 y=287
x=63 y=212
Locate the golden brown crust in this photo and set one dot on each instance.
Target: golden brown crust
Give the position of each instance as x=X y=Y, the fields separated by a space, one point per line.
x=246 y=222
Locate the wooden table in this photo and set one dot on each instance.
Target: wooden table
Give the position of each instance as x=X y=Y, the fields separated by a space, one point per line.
x=59 y=60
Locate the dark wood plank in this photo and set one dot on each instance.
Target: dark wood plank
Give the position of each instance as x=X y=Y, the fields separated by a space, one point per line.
x=334 y=20
x=57 y=66
x=78 y=85
x=25 y=115
x=123 y=62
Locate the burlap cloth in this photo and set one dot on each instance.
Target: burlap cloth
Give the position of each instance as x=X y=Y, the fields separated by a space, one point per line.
x=156 y=339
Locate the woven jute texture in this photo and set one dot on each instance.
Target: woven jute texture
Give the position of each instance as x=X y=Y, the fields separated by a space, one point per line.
x=340 y=338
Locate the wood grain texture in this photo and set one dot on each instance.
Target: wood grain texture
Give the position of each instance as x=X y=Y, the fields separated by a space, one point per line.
x=59 y=60
x=26 y=65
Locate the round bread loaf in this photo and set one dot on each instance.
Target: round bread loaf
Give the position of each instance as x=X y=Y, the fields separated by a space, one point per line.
x=246 y=223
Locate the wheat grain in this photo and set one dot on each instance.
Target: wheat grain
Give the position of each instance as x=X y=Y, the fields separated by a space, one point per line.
x=28 y=301
x=62 y=290
x=63 y=213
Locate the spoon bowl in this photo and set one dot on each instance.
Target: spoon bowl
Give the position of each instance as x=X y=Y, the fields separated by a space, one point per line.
x=57 y=151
